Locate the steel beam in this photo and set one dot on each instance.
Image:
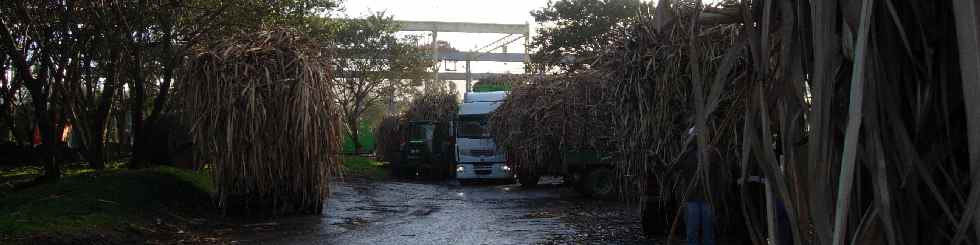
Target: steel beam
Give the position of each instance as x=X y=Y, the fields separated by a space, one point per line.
x=467 y=27
x=475 y=56
x=462 y=76
x=446 y=75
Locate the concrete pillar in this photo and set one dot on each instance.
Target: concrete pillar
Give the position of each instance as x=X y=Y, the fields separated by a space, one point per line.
x=469 y=76
x=435 y=60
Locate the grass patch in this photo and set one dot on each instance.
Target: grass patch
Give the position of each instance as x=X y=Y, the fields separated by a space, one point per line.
x=93 y=202
x=358 y=166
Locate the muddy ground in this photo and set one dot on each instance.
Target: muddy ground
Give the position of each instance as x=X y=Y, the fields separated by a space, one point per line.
x=408 y=212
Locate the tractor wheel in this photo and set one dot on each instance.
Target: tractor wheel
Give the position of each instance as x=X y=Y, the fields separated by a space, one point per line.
x=401 y=171
x=578 y=183
x=599 y=183
x=652 y=219
x=528 y=180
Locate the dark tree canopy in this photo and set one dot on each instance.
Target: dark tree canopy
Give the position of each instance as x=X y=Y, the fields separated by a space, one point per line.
x=579 y=29
x=83 y=63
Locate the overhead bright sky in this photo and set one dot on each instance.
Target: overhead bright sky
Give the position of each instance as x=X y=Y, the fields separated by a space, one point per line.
x=482 y=11
x=489 y=11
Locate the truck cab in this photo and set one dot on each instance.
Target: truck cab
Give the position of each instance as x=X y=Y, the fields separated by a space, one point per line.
x=477 y=155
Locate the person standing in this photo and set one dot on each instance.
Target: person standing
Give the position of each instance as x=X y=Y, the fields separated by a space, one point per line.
x=699 y=215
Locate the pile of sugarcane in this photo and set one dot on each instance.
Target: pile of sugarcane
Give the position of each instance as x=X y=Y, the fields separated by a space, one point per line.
x=435 y=105
x=263 y=120
x=862 y=116
x=544 y=117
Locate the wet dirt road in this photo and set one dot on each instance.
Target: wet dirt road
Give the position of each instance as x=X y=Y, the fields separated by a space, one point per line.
x=396 y=212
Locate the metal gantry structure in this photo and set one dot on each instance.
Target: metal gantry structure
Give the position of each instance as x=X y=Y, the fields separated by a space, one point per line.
x=514 y=33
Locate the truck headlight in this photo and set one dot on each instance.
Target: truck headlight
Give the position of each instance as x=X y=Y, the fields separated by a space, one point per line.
x=505 y=168
x=459 y=168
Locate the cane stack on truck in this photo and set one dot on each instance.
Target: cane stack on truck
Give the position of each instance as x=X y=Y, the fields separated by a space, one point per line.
x=560 y=126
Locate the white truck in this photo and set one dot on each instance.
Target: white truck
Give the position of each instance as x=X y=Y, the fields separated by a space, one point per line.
x=477 y=155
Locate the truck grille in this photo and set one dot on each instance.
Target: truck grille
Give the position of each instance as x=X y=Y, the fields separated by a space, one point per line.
x=481 y=152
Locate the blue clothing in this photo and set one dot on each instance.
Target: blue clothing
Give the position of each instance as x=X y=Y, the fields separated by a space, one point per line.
x=700 y=217
x=784 y=236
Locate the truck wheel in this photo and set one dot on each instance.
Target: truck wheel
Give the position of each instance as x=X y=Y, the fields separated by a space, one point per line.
x=579 y=185
x=652 y=219
x=398 y=171
x=528 y=180
x=599 y=184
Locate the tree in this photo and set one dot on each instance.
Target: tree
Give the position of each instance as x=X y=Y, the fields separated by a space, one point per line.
x=8 y=91
x=37 y=47
x=74 y=58
x=373 y=63
x=580 y=29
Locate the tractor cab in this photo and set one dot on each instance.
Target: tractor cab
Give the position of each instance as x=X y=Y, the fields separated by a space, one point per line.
x=424 y=151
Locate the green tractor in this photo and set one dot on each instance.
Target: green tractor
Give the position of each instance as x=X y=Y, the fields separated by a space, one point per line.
x=426 y=151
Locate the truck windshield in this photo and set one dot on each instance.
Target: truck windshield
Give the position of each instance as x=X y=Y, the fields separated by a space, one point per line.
x=473 y=127
x=420 y=132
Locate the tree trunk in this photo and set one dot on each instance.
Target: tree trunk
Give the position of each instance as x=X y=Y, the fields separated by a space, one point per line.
x=354 y=134
x=6 y=109
x=138 y=97
x=96 y=144
x=48 y=148
x=122 y=131
x=46 y=125
x=6 y=121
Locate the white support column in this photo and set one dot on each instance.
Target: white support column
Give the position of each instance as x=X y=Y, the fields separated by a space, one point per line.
x=527 y=50
x=435 y=60
x=469 y=77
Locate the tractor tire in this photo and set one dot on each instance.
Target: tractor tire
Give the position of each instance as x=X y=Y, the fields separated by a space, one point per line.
x=599 y=183
x=398 y=171
x=652 y=219
x=528 y=180
x=579 y=185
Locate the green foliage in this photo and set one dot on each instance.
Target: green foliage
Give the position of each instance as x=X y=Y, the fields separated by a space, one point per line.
x=365 y=136
x=93 y=202
x=491 y=87
x=501 y=82
x=358 y=166
x=580 y=28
